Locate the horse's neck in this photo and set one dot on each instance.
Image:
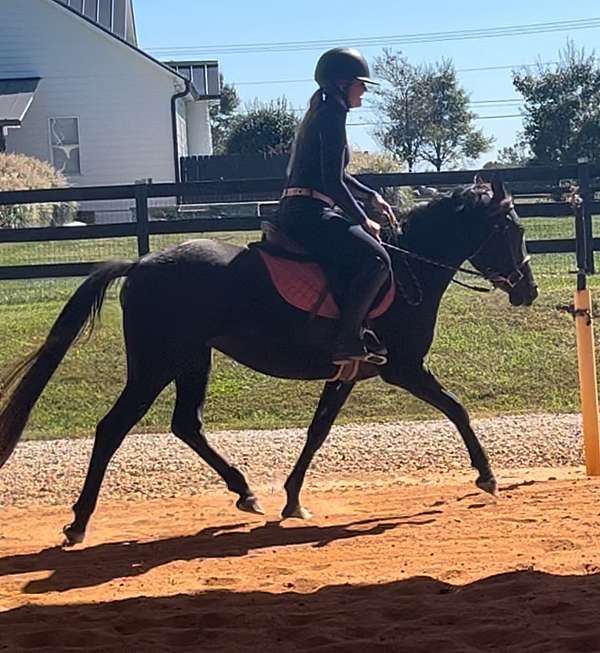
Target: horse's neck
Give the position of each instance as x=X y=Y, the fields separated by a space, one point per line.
x=449 y=256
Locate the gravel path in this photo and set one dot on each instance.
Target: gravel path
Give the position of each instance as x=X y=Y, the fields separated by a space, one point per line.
x=153 y=466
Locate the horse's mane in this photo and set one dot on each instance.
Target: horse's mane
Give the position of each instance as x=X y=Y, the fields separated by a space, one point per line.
x=427 y=214
x=434 y=207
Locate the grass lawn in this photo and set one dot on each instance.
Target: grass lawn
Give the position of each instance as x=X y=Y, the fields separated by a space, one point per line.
x=497 y=358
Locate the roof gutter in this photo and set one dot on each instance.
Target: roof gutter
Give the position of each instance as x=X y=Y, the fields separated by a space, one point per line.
x=174 y=99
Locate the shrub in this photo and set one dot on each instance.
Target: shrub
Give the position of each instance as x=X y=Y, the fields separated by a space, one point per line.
x=264 y=129
x=362 y=163
x=20 y=172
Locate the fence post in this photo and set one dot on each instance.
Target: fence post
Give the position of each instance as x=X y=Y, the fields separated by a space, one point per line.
x=587 y=231
x=588 y=384
x=141 y=218
x=584 y=329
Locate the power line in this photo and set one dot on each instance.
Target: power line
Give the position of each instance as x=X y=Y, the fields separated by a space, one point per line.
x=485 y=103
x=370 y=124
x=377 y=41
x=458 y=70
x=504 y=67
x=507 y=101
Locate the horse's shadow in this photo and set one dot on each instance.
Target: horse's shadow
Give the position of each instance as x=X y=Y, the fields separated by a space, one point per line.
x=100 y=564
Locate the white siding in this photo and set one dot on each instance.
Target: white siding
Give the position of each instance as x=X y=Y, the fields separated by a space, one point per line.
x=121 y=99
x=198 y=128
x=182 y=133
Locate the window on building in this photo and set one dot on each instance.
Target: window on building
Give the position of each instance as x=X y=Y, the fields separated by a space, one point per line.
x=64 y=144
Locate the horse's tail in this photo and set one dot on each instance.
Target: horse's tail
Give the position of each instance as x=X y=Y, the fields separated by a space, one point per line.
x=21 y=387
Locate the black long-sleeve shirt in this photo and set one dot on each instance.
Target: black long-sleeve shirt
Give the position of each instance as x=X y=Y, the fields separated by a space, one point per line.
x=320 y=156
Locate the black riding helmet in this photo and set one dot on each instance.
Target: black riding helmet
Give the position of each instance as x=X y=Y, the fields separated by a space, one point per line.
x=342 y=64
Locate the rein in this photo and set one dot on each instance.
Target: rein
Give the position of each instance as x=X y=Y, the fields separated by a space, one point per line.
x=445 y=266
x=439 y=264
x=494 y=280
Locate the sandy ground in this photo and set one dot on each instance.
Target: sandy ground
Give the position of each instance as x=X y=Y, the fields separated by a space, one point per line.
x=385 y=565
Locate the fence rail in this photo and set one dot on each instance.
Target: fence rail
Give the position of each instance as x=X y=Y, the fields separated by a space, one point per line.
x=269 y=189
x=238 y=166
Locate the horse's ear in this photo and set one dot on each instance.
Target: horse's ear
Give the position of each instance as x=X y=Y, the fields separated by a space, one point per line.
x=499 y=189
x=478 y=180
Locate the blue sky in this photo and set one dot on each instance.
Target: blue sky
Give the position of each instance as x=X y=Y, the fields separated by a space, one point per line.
x=164 y=27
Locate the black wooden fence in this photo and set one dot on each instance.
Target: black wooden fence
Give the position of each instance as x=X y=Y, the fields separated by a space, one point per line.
x=233 y=166
x=584 y=174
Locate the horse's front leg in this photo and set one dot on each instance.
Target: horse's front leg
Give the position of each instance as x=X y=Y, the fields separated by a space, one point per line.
x=332 y=399
x=421 y=383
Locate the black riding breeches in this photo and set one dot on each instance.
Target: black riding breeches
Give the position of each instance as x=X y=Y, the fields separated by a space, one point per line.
x=333 y=240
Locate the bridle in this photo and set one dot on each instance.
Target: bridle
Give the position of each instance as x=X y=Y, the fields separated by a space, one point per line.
x=516 y=275
x=496 y=279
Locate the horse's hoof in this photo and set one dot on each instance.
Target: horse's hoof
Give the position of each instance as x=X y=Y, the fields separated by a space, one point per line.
x=72 y=537
x=488 y=485
x=250 y=504
x=297 y=513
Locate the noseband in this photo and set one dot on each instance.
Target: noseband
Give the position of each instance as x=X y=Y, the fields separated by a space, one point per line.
x=515 y=276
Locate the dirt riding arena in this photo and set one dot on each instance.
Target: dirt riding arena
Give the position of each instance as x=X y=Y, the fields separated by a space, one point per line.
x=403 y=556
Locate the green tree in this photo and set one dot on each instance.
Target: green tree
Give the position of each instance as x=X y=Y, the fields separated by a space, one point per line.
x=512 y=156
x=424 y=113
x=562 y=107
x=222 y=115
x=265 y=128
x=399 y=104
x=450 y=135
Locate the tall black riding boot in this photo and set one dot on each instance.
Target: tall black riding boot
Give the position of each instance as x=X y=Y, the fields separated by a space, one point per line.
x=350 y=344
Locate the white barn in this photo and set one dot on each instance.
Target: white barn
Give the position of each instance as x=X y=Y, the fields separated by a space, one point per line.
x=77 y=91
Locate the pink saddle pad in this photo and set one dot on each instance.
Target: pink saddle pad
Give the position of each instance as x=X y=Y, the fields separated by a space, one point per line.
x=303 y=285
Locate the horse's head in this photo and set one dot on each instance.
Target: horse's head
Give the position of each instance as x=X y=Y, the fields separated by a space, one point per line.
x=499 y=251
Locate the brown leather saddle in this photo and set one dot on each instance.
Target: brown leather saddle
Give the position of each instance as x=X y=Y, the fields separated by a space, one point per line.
x=277 y=242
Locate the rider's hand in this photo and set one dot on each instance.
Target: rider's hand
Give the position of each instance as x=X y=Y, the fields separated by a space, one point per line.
x=373 y=228
x=383 y=208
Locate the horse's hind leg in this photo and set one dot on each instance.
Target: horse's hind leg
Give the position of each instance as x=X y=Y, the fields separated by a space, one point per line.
x=130 y=407
x=332 y=399
x=187 y=426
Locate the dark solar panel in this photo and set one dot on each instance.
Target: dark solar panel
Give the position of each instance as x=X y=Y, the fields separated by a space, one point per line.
x=105 y=13
x=214 y=84
x=186 y=71
x=119 y=18
x=204 y=76
x=110 y=14
x=91 y=9
x=199 y=79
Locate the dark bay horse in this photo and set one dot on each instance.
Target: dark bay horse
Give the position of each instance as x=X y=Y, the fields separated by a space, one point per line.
x=181 y=302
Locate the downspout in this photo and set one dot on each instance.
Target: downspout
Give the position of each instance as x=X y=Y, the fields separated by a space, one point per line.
x=174 y=99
